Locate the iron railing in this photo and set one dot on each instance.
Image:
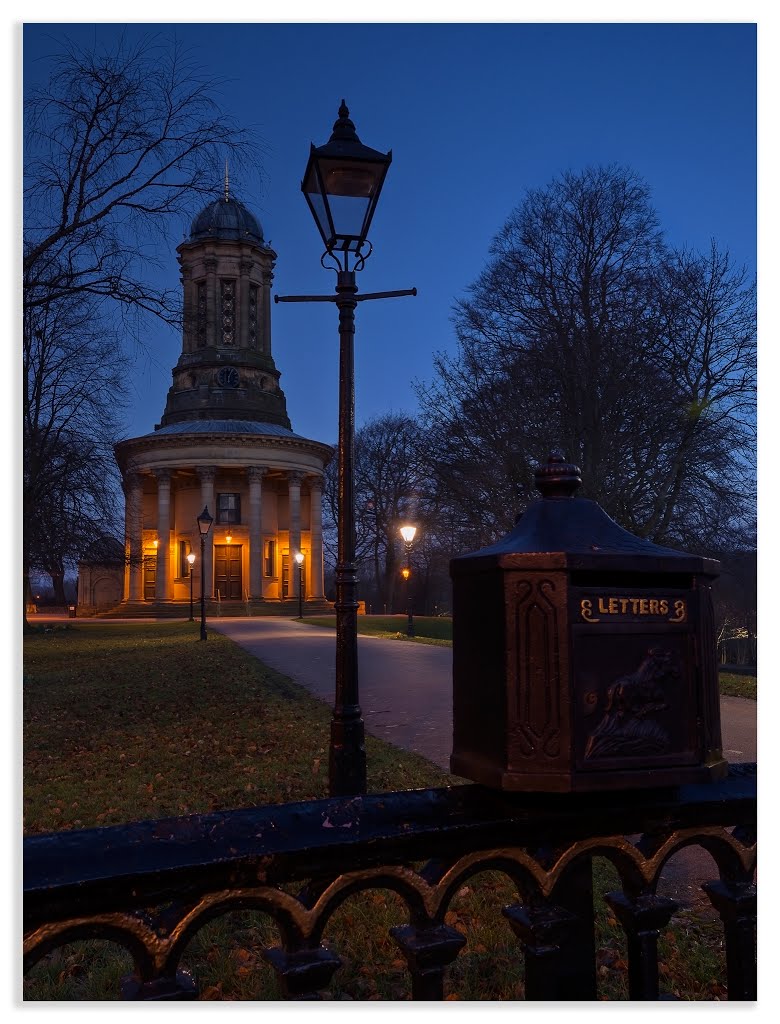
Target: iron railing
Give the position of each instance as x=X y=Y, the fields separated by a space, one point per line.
x=152 y=885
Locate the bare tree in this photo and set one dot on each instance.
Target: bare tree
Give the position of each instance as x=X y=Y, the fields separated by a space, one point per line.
x=389 y=489
x=70 y=483
x=586 y=333
x=118 y=146
x=707 y=334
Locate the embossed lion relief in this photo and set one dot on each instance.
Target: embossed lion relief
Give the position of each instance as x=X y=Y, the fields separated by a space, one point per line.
x=628 y=727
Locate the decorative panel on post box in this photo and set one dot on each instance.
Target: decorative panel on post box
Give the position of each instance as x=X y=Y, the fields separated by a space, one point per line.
x=583 y=656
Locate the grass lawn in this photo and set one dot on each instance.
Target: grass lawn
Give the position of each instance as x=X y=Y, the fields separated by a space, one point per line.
x=114 y=704
x=738 y=685
x=428 y=629
x=123 y=722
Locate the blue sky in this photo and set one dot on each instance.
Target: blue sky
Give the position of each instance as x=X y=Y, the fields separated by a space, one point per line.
x=475 y=114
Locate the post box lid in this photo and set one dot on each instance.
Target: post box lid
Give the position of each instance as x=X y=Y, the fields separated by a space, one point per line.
x=573 y=532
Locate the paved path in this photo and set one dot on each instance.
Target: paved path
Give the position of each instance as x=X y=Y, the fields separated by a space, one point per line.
x=406 y=688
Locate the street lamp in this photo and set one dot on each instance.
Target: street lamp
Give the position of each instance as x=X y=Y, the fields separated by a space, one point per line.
x=204 y=525
x=341 y=184
x=299 y=560
x=408 y=532
x=191 y=560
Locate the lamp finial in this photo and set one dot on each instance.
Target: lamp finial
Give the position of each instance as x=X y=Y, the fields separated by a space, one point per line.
x=344 y=127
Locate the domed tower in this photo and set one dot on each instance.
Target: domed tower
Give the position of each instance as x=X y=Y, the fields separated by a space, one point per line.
x=226 y=367
x=224 y=441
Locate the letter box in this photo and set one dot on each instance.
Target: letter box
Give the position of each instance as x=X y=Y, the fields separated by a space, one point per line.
x=583 y=656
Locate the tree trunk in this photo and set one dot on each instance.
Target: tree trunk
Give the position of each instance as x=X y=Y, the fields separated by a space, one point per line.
x=57 y=574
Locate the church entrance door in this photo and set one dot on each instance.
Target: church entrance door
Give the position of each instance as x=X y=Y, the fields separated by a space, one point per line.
x=150 y=577
x=227 y=571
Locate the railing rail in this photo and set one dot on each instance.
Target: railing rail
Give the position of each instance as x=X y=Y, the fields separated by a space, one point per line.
x=108 y=882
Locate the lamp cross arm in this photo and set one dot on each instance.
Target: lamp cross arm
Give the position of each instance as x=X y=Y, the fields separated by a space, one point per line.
x=335 y=298
x=386 y=295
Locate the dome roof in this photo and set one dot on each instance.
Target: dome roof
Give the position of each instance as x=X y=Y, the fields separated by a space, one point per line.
x=226 y=218
x=224 y=427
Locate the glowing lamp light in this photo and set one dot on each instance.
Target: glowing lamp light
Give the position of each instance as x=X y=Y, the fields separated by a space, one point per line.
x=299 y=557
x=408 y=532
x=406 y=573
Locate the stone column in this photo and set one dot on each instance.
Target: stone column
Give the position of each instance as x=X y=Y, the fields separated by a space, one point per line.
x=294 y=525
x=134 y=535
x=211 y=302
x=316 y=568
x=206 y=475
x=256 y=474
x=163 y=477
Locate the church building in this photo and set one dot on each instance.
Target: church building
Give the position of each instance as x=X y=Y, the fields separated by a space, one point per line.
x=224 y=442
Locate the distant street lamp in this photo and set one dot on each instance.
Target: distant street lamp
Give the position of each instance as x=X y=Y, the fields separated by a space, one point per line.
x=191 y=560
x=299 y=560
x=341 y=184
x=204 y=525
x=408 y=532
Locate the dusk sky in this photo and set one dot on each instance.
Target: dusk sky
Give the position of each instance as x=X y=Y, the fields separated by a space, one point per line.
x=475 y=114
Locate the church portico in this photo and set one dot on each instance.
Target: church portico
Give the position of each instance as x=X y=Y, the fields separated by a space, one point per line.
x=263 y=515
x=224 y=443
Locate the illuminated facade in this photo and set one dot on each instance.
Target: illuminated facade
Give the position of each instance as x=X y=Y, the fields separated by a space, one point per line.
x=224 y=441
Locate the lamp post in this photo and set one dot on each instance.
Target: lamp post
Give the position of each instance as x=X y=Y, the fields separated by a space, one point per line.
x=341 y=184
x=191 y=560
x=299 y=560
x=408 y=532
x=204 y=525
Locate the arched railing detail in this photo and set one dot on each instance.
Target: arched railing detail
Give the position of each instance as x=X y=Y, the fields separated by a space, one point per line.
x=202 y=867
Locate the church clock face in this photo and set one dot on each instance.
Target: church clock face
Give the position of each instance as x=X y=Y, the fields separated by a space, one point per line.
x=227 y=377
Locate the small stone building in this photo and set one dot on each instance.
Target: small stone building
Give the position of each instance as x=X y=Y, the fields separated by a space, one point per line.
x=224 y=442
x=101 y=575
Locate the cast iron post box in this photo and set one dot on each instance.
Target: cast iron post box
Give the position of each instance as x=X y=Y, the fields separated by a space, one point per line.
x=583 y=656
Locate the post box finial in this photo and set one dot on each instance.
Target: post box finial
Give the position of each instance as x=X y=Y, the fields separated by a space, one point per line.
x=557 y=478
